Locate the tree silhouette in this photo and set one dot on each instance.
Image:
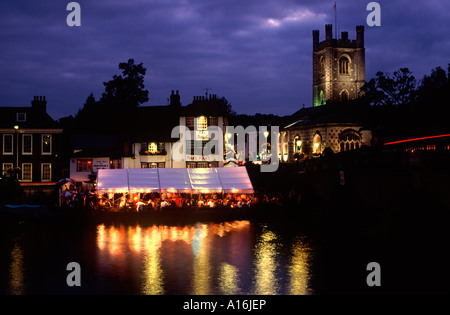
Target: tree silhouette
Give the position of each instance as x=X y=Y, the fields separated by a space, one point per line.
x=123 y=94
x=400 y=88
x=127 y=91
x=435 y=87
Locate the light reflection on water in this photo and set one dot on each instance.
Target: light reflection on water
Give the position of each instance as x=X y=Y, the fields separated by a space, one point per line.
x=16 y=270
x=208 y=258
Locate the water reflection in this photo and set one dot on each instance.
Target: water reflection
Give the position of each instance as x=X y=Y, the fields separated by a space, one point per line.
x=299 y=270
x=213 y=258
x=265 y=265
x=16 y=272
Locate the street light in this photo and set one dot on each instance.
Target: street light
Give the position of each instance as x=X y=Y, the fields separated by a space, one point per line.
x=16 y=129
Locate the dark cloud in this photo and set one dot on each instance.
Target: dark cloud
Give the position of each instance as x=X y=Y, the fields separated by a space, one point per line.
x=256 y=53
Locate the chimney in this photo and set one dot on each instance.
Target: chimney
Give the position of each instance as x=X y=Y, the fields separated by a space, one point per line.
x=39 y=104
x=175 y=99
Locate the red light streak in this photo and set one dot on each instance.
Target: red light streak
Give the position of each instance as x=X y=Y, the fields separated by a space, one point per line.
x=416 y=139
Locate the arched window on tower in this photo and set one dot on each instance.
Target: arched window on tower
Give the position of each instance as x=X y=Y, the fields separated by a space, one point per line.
x=344 y=95
x=322 y=66
x=343 y=65
x=321 y=98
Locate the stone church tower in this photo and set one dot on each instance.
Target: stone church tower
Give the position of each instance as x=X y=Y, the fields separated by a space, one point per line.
x=338 y=66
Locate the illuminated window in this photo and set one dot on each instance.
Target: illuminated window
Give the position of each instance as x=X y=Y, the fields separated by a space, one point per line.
x=321 y=98
x=297 y=144
x=27 y=172
x=202 y=123
x=317 y=143
x=115 y=164
x=46 y=144
x=152 y=147
x=7 y=144
x=6 y=167
x=27 y=144
x=201 y=131
x=84 y=165
x=349 y=140
x=46 y=172
x=153 y=164
x=343 y=65
x=191 y=164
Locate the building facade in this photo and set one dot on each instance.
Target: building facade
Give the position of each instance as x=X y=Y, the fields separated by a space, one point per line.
x=338 y=75
x=338 y=66
x=150 y=143
x=30 y=144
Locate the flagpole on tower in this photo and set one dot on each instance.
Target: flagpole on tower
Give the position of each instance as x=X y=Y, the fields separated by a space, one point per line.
x=335 y=20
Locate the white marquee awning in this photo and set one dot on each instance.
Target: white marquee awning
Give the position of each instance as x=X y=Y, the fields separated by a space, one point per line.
x=143 y=179
x=195 y=180
x=174 y=179
x=204 y=180
x=112 y=180
x=233 y=179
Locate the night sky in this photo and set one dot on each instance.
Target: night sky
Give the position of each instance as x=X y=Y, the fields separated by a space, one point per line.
x=256 y=53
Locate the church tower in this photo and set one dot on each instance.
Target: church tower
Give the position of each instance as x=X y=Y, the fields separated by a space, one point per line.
x=338 y=66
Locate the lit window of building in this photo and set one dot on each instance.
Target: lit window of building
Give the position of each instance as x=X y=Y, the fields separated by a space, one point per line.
x=84 y=165
x=46 y=144
x=27 y=172
x=46 y=171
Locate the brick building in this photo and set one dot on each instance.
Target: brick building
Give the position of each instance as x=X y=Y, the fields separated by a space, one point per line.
x=30 y=142
x=338 y=66
x=334 y=121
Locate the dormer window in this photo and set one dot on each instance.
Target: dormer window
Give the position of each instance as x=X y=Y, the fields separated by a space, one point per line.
x=21 y=117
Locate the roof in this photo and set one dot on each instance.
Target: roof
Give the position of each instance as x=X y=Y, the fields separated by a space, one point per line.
x=200 y=180
x=155 y=123
x=347 y=112
x=34 y=119
x=203 y=108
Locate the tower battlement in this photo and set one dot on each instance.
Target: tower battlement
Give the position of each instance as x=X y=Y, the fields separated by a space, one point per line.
x=338 y=66
x=335 y=42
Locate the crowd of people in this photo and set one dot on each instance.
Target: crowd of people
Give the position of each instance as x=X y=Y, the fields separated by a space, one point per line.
x=156 y=201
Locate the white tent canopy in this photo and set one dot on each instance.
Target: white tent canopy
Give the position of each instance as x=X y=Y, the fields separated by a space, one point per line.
x=113 y=180
x=196 y=180
x=173 y=180
x=233 y=179
x=204 y=180
x=143 y=180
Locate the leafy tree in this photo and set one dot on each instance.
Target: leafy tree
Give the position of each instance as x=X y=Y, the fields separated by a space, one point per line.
x=88 y=108
x=122 y=95
x=398 y=89
x=126 y=91
x=226 y=106
x=435 y=87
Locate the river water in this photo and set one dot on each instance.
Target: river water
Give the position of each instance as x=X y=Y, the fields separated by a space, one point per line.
x=230 y=257
x=236 y=256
